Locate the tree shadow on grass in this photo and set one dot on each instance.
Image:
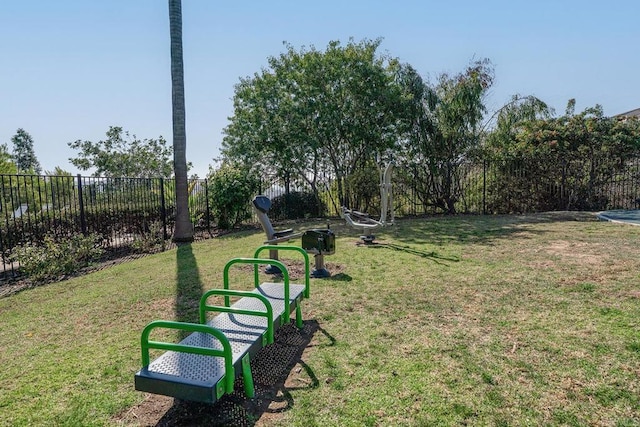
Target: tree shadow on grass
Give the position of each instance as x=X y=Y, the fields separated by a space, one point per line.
x=189 y=286
x=478 y=229
x=432 y=255
x=277 y=370
x=340 y=277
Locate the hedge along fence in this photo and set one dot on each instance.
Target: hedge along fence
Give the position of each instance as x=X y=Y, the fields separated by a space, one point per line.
x=478 y=187
x=65 y=205
x=139 y=213
x=552 y=184
x=124 y=213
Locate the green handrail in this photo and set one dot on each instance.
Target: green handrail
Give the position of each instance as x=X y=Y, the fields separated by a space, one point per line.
x=226 y=353
x=257 y=262
x=286 y=248
x=268 y=314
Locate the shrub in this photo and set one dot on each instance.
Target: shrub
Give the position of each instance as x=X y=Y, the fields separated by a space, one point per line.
x=150 y=241
x=54 y=258
x=230 y=190
x=364 y=186
x=296 y=205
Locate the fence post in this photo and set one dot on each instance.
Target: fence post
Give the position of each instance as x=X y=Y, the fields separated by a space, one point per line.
x=83 y=219
x=206 y=199
x=484 y=186
x=163 y=210
x=5 y=261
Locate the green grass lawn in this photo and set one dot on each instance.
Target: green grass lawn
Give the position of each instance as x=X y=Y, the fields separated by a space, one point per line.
x=507 y=320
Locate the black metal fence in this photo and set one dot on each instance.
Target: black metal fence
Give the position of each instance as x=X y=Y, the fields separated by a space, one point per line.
x=124 y=211
x=488 y=187
x=119 y=211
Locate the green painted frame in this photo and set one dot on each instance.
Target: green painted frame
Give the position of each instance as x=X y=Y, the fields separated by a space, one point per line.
x=307 y=286
x=226 y=353
x=268 y=314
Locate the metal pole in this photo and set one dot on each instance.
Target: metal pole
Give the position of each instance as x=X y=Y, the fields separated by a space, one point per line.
x=163 y=211
x=83 y=219
x=206 y=200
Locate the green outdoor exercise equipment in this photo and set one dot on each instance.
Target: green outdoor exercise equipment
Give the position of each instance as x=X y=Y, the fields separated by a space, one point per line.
x=203 y=366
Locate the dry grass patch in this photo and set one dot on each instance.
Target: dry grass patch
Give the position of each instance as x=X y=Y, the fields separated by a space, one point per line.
x=506 y=320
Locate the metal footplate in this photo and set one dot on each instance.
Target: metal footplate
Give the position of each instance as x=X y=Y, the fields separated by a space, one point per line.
x=203 y=366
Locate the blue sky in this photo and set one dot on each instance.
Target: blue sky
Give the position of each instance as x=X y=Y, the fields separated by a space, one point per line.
x=72 y=68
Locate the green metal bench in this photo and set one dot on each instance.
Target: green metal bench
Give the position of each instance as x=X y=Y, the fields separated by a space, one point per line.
x=203 y=366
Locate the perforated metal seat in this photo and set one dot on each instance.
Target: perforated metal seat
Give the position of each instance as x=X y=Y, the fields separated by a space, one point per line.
x=199 y=377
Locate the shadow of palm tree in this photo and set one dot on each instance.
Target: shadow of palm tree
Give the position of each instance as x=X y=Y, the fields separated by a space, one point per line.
x=189 y=287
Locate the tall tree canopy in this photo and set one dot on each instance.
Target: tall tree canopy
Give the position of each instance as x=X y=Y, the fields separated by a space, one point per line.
x=124 y=155
x=24 y=155
x=445 y=120
x=312 y=109
x=511 y=118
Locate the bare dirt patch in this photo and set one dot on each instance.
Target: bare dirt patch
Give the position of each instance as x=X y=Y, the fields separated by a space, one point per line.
x=580 y=252
x=632 y=294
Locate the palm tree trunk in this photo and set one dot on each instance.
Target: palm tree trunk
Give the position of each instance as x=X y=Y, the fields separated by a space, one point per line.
x=183 y=231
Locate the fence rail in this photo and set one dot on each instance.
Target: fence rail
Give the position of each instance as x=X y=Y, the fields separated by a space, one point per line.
x=122 y=211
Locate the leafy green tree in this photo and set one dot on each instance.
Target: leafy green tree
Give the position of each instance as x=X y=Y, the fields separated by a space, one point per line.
x=183 y=231
x=24 y=154
x=315 y=110
x=508 y=120
x=58 y=171
x=7 y=164
x=231 y=188
x=60 y=186
x=22 y=193
x=444 y=123
x=122 y=155
x=566 y=162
